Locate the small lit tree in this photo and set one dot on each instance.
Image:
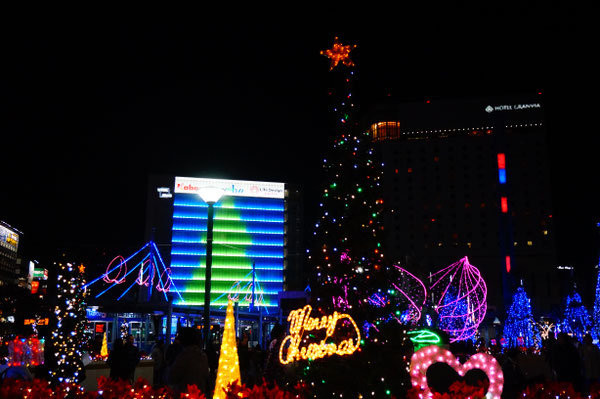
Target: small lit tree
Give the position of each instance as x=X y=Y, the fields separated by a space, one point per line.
x=229 y=365
x=576 y=319
x=452 y=314
x=596 y=314
x=520 y=329
x=67 y=338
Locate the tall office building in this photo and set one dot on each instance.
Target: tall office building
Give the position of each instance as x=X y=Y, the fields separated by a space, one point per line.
x=470 y=178
x=9 y=261
x=257 y=238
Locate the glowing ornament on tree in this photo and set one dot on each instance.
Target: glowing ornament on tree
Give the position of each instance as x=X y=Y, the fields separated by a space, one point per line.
x=339 y=53
x=429 y=355
x=459 y=293
x=229 y=365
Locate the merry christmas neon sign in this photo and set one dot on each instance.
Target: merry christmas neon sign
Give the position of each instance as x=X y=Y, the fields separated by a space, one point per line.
x=296 y=346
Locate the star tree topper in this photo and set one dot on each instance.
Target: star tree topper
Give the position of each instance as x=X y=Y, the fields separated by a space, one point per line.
x=339 y=53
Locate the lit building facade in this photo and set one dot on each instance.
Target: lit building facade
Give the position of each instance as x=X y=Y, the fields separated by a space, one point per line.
x=9 y=260
x=248 y=255
x=257 y=240
x=470 y=177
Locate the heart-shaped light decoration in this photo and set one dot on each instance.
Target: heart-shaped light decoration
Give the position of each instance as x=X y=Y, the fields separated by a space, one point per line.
x=425 y=357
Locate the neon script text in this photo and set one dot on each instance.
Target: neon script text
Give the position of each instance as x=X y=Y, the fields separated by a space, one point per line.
x=300 y=322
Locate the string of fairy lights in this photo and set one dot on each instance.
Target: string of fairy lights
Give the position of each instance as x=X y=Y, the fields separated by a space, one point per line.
x=68 y=336
x=349 y=257
x=458 y=292
x=339 y=195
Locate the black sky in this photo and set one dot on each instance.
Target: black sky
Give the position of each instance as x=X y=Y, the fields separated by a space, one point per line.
x=94 y=102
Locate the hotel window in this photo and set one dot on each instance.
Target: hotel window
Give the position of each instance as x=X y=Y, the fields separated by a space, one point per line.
x=385 y=131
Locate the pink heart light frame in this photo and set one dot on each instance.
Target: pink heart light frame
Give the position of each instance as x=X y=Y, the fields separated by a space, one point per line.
x=425 y=357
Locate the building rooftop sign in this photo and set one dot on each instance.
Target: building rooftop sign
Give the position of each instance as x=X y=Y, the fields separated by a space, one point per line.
x=8 y=238
x=239 y=188
x=511 y=107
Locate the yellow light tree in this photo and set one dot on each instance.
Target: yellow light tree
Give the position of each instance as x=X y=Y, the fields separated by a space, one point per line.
x=104 y=349
x=229 y=364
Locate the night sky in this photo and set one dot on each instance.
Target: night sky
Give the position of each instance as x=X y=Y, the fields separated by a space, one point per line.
x=92 y=104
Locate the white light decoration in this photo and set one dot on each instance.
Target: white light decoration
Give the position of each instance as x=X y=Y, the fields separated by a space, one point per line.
x=425 y=357
x=211 y=195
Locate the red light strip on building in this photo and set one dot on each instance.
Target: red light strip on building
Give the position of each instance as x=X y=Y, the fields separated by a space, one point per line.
x=501 y=161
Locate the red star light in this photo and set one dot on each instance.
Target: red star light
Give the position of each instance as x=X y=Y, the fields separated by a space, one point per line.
x=339 y=53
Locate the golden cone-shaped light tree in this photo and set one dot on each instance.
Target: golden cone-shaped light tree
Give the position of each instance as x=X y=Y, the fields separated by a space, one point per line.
x=104 y=349
x=229 y=364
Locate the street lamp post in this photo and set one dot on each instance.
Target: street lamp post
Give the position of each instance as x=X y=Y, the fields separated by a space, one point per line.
x=210 y=195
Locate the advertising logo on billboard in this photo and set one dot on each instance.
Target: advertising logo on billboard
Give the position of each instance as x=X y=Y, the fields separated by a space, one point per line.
x=40 y=274
x=9 y=239
x=240 y=188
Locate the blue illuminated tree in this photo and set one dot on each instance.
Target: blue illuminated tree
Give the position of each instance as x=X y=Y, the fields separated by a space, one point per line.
x=596 y=314
x=576 y=319
x=520 y=328
x=453 y=314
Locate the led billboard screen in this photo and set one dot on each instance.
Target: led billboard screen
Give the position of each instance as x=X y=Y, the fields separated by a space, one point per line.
x=9 y=239
x=248 y=235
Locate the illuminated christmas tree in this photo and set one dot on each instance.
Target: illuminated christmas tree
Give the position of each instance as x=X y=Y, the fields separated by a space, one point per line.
x=67 y=340
x=104 y=348
x=350 y=272
x=229 y=365
x=596 y=315
x=347 y=244
x=520 y=329
x=452 y=315
x=576 y=319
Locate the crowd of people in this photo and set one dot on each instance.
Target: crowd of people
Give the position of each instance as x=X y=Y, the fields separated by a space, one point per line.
x=123 y=359
x=564 y=359
x=184 y=362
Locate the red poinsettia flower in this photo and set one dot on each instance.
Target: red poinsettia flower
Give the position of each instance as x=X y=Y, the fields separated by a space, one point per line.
x=551 y=390
x=18 y=389
x=193 y=392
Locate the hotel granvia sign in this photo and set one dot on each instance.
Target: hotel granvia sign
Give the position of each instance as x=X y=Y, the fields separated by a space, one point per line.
x=511 y=107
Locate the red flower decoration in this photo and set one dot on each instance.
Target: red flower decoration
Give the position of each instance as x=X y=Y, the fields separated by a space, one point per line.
x=193 y=392
x=18 y=389
x=551 y=390
x=458 y=390
x=264 y=391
